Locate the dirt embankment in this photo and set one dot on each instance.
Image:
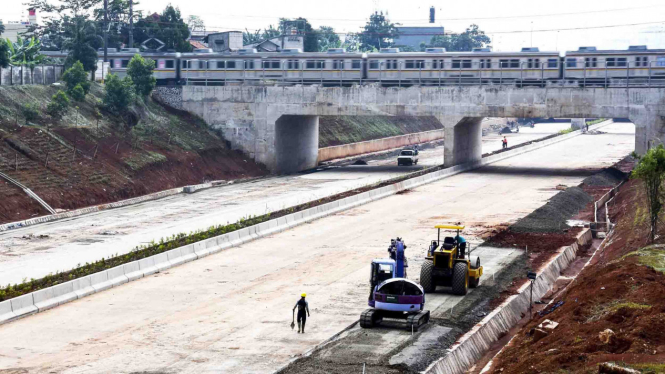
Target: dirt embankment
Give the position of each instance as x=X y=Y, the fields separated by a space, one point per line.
x=613 y=312
x=338 y=130
x=81 y=161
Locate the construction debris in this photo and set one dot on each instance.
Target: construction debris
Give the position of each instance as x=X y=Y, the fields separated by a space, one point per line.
x=610 y=368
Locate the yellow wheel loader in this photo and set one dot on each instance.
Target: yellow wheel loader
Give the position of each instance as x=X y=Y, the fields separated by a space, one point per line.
x=449 y=263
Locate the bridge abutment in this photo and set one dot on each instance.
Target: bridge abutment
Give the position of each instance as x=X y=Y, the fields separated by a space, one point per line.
x=463 y=142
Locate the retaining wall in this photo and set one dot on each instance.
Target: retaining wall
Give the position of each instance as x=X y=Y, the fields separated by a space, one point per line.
x=473 y=345
x=63 y=293
x=377 y=145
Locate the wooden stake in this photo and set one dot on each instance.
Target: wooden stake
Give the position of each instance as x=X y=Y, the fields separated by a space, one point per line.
x=116 y=147
x=94 y=155
x=15 y=161
x=46 y=163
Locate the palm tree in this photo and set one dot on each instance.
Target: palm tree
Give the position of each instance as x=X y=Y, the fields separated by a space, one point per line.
x=25 y=52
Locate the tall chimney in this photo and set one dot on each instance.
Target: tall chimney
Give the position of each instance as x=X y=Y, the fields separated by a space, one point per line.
x=431 y=14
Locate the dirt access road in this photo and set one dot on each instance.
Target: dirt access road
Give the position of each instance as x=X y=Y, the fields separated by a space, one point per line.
x=36 y=251
x=230 y=312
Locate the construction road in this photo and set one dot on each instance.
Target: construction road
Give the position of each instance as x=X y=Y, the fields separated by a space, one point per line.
x=230 y=312
x=36 y=251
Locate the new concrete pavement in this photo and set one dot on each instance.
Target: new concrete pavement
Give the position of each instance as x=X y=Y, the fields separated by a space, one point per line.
x=36 y=251
x=230 y=312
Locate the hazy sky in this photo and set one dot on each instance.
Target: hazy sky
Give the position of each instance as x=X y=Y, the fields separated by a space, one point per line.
x=508 y=23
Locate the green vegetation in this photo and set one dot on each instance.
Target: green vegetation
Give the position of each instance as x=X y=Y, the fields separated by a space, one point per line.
x=471 y=38
x=25 y=52
x=175 y=241
x=58 y=105
x=169 y=27
x=119 y=94
x=377 y=33
x=652 y=256
x=566 y=131
x=600 y=311
x=139 y=71
x=595 y=121
x=77 y=93
x=336 y=130
x=651 y=170
x=30 y=112
x=76 y=76
x=653 y=368
x=4 y=54
x=140 y=160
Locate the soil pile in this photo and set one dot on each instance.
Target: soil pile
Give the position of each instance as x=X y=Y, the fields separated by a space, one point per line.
x=91 y=157
x=552 y=216
x=613 y=312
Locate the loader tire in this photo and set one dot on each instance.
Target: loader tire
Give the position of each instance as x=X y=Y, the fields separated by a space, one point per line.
x=460 y=278
x=426 y=279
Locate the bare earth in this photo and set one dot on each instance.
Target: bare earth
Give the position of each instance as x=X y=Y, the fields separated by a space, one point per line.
x=230 y=312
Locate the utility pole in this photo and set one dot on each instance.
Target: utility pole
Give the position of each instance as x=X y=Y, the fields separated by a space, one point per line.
x=106 y=31
x=131 y=24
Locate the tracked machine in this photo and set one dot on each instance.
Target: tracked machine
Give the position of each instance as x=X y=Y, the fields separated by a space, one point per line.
x=449 y=263
x=392 y=295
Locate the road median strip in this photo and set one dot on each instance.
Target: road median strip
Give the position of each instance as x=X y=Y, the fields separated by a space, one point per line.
x=53 y=290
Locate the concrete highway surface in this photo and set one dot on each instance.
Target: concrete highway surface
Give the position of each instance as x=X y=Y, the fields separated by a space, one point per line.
x=36 y=251
x=230 y=312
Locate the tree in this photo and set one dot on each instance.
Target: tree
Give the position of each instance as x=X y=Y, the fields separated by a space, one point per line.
x=139 y=71
x=2 y=28
x=327 y=38
x=76 y=76
x=81 y=42
x=119 y=93
x=77 y=93
x=4 y=53
x=378 y=33
x=251 y=37
x=56 y=18
x=351 y=42
x=58 y=105
x=472 y=38
x=168 y=27
x=651 y=170
x=196 y=25
x=118 y=18
x=25 y=52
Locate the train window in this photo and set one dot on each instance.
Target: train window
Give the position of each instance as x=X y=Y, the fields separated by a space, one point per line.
x=611 y=61
x=314 y=64
x=221 y=65
x=622 y=61
x=437 y=64
x=503 y=63
x=485 y=64
x=355 y=64
x=456 y=64
x=169 y=64
x=536 y=63
x=514 y=63
x=552 y=63
x=391 y=64
x=466 y=64
x=571 y=63
x=660 y=61
x=591 y=62
x=230 y=64
x=203 y=65
x=641 y=61
x=338 y=64
x=111 y=64
x=410 y=64
x=249 y=64
x=124 y=63
x=374 y=64
x=271 y=64
x=294 y=65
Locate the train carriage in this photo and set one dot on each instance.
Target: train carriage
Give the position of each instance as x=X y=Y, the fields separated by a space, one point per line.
x=589 y=66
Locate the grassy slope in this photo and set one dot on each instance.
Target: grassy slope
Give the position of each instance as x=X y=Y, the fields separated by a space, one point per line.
x=157 y=149
x=337 y=130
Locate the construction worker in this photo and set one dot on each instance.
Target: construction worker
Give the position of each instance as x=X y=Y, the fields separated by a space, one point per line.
x=303 y=307
x=504 y=143
x=392 y=248
x=461 y=244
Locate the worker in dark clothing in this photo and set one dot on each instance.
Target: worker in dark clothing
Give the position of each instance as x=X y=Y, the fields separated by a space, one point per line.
x=433 y=247
x=303 y=307
x=392 y=248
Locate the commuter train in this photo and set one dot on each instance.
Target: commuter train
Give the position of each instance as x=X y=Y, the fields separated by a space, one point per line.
x=587 y=66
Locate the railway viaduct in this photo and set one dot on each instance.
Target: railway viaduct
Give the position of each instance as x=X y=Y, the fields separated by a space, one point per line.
x=278 y=126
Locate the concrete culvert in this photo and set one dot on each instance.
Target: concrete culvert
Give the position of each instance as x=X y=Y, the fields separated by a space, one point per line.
x=360 y=162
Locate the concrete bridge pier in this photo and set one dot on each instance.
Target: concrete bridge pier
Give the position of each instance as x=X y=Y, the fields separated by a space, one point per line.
x=296 y=143
x=463 y=142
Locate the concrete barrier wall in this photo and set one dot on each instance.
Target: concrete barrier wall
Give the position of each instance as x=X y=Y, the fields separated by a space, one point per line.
x=63 y=293
x=377 y=145
x=473 y=345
